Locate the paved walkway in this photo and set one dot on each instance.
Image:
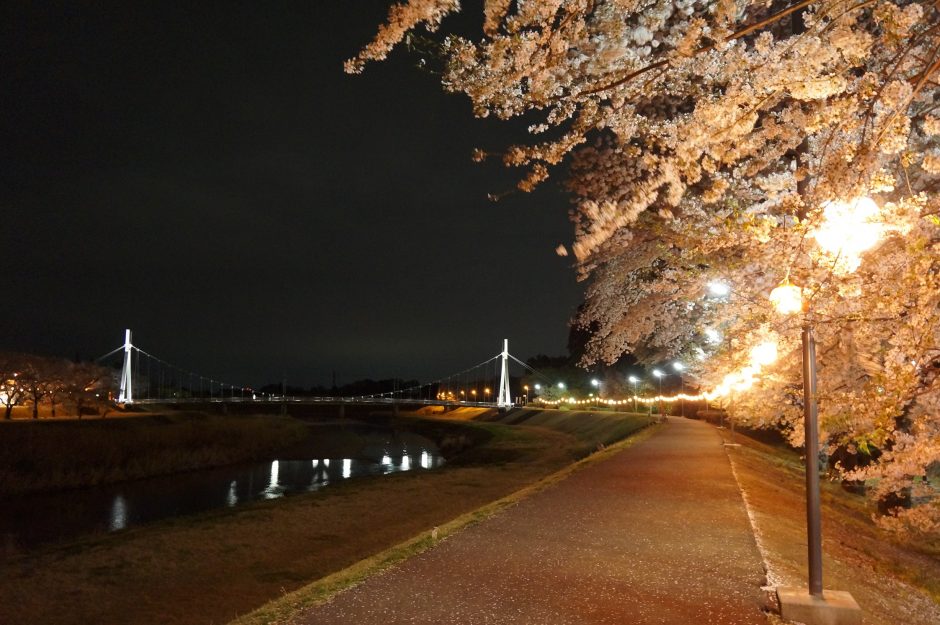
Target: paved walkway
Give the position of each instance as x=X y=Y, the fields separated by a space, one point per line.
x=656 y=534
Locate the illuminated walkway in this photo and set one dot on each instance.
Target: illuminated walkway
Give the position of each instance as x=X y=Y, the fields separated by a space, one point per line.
x=656 y=534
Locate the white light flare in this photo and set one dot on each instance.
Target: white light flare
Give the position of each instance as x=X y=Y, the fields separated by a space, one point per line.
x=850 y=228
x=764 y=354
x=719 y=289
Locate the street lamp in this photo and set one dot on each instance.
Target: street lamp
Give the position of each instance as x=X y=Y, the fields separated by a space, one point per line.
x=719 y=289
x=474 y=393
x=678 y=366
x=635 y=380
x=848 y=231
x=525 y=395
x=659 y=376
x=486 y=394
x=787 y=299
x=596 y=384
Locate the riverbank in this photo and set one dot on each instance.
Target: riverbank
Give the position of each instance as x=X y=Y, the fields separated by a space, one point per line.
x=46 y=455
x=216 y=566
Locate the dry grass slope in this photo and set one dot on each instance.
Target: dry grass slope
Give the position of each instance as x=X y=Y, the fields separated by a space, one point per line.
x=48 y=455
x=893 y=581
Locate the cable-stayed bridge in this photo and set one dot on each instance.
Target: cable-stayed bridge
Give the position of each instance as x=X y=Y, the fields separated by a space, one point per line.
x=149 y=379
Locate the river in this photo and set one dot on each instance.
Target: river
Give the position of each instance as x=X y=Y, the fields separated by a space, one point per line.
x=30 y=521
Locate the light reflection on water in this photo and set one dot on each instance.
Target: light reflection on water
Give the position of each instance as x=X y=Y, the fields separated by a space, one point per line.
x=295 y=476
x=118 y=514
x=232 y=498
x=29 y=521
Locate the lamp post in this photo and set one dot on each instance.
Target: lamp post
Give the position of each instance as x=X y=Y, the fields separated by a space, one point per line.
x=659 y=376
x=678 y=366
x=525 y=395
x=596 y=384
x=787 y=299
x=634 y=379
x=795 y=604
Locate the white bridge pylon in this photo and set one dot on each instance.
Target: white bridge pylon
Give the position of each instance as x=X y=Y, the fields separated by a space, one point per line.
x=503 y=398
x=126 y=395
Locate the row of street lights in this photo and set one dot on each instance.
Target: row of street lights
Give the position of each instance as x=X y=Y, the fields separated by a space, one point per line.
x=678 y=366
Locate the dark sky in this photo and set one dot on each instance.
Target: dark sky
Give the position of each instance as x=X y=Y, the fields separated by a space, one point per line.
x=205 y=174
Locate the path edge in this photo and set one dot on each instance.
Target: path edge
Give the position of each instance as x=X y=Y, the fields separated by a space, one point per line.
x=283 y=609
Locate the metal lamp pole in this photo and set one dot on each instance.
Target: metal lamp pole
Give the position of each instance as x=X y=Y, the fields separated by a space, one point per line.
x=660 y=396
x=811 y=441
x=787 y=298
x=634 y=380
x=678 y=366
x=659 y=376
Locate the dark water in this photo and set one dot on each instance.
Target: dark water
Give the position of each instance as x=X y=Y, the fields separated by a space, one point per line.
x=30 y=521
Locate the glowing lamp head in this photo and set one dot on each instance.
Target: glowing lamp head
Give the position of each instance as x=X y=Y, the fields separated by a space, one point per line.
x=678 y=366
x=849 y=228
x=538 y=387
x=595 y=383
x=787 y=298
x=718 y=288
x=561 y=385
x=764 y=354
x=657 y=373
x=633 y=379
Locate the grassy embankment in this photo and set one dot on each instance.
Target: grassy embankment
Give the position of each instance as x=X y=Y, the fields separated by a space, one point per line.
x=216 y=566
x=49 y=455
x=893 y=581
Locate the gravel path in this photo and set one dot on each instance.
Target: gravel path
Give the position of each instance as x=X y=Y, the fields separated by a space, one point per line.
x=656 y=534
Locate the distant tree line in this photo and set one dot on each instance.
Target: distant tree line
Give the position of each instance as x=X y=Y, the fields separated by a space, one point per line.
x=65 y=387
x=352 y=389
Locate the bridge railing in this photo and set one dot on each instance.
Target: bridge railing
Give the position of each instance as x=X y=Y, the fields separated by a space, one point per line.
x=281 y=399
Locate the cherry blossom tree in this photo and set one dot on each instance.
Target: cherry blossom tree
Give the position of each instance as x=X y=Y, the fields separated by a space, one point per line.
x=731 y=140
x=11 y=391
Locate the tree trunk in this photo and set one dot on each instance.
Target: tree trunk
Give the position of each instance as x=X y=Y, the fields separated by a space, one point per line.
x=9 y=412
x=35 y=410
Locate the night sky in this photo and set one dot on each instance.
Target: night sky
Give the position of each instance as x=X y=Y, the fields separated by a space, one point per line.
x=209 y=177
